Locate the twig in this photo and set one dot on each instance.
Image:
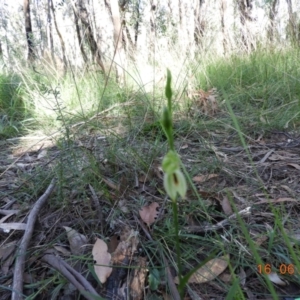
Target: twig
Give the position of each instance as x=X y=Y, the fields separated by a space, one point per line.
x=98 y=207
x=21 y=253
x=243 y=212
x=74 y=277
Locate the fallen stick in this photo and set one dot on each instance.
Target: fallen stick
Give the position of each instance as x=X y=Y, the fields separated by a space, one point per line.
x=219 y=225
x=17 y=289
x=74 y=277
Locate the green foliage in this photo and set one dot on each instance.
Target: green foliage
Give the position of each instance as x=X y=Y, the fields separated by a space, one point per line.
x=12 y=106
x=262 y=87
x=154 y=279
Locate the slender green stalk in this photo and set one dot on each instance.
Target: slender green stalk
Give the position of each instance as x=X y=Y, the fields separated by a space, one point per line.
x=177 y=243
x=174 y=180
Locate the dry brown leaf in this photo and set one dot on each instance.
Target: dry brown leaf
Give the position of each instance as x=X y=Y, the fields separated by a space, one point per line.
x=77 y=241
x=276 y=279
x=226 y=206
x=122 y=256
x=137 y=285
x=209 y=271
x=296 y=166
x=102 y=260
x=203 y=178
x=127 y=246
x=205 y=101
x=149 y=213
x=113 y=243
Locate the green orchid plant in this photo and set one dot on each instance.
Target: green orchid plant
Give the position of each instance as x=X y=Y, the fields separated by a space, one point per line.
x=174 y=180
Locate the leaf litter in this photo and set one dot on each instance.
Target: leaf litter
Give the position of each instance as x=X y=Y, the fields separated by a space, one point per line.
x=277 y=165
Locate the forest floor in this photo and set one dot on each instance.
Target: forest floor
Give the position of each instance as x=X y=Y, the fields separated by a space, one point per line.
x=101 y=188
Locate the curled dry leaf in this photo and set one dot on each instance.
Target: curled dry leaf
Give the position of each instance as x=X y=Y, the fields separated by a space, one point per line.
x=149 y=213
x=209 y=271
x=102 y=260
x=77 y=241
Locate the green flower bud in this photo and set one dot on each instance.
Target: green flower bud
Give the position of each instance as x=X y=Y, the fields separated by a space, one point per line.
x=168 y=90
x=166 y=123
x=171 y=162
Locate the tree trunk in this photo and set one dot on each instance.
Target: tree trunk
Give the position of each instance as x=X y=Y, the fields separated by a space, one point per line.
x=137 y=22
x=28 y=30
x=89 y=35
x=223 y=26
x=199 y=23
x=245 y=8
x=63 y=47
x=292 y=28
x=79 y=37
x=50 y=32
x=1 y=51
x=152 y=34
x=119 y=52
x=272 y=14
